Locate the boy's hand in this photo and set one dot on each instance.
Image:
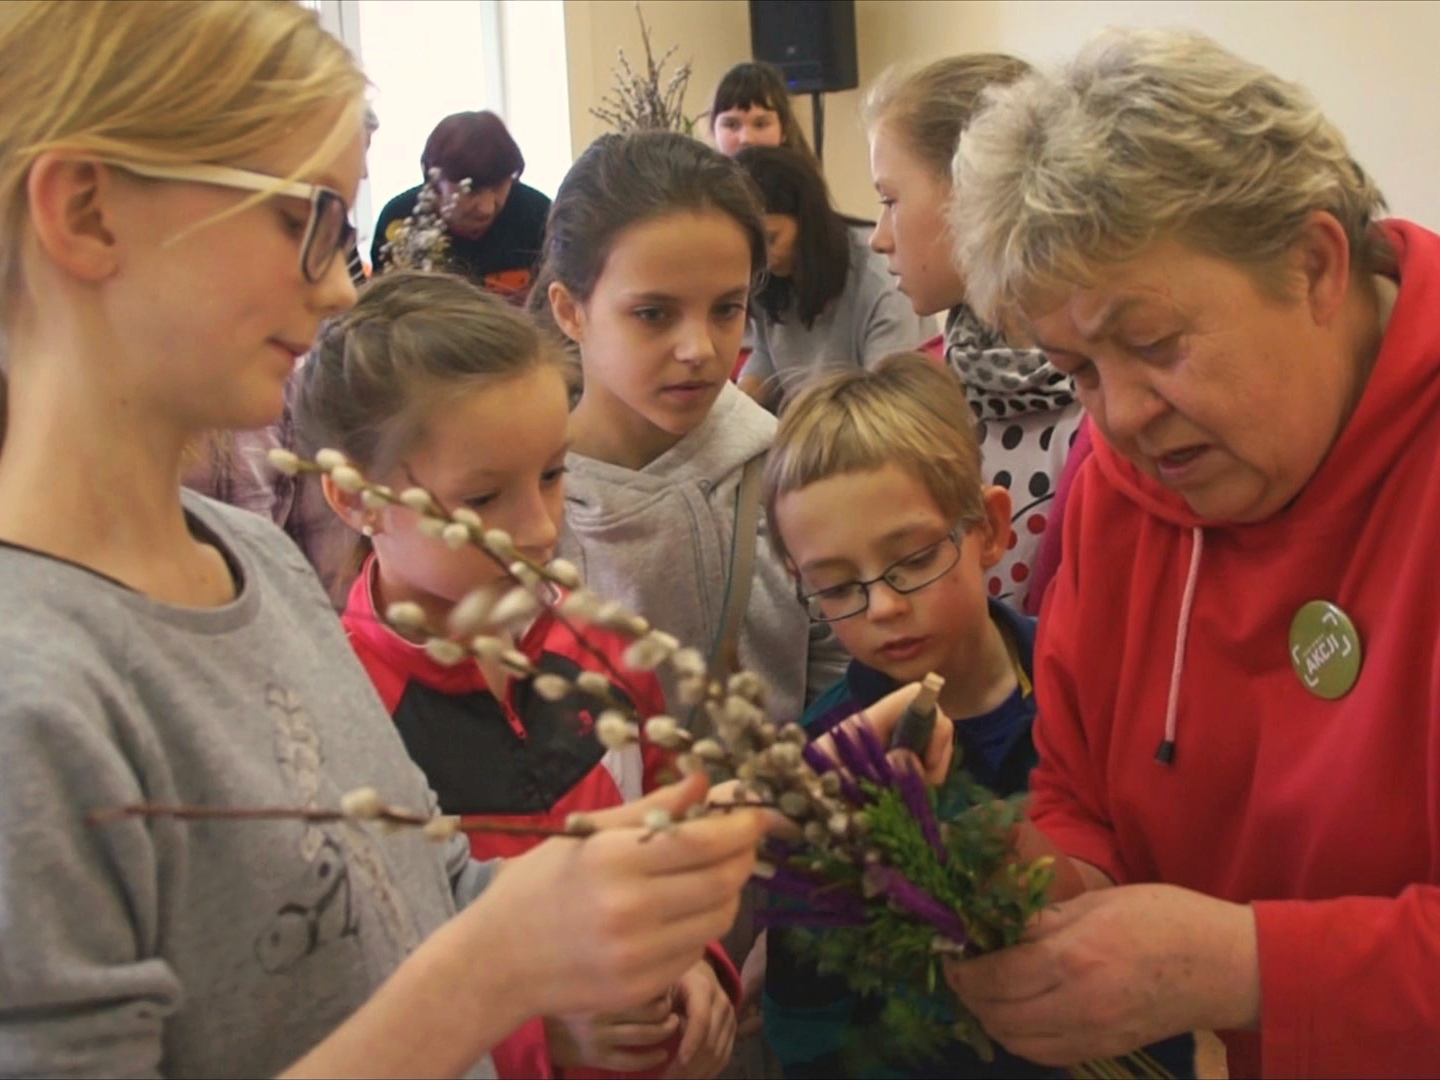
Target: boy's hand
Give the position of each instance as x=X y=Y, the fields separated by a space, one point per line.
x=729 y=793
x=883 y=718
x=631 y=1041
x=709 y=1025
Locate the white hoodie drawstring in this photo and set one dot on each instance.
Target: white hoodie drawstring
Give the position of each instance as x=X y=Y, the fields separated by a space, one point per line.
x=1166 y=754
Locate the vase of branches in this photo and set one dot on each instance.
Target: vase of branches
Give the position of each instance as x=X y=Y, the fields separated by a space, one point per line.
x=646 y=100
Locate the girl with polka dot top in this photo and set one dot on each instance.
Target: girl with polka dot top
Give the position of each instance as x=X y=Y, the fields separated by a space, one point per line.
x=1026 y=410
x=1028 y=418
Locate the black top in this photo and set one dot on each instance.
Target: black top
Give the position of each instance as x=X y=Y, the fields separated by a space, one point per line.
x=475 y=761
x=503 y=260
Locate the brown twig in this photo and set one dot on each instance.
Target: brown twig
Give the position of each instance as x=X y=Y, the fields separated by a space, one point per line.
x=236 y=813
x=552 y=609
x=638 y=101
x=465 y=823
x=386 y=816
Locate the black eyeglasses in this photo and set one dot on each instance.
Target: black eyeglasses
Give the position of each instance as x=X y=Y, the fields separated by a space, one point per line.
x=904 y=576
x=327 y=233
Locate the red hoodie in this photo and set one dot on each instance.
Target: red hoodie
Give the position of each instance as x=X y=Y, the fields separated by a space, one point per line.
x=1325 y=815
x=515 y=756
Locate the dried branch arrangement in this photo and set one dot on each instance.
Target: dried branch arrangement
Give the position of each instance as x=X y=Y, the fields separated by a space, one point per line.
x=892 y=881
x=422 y=240
x=646 y=101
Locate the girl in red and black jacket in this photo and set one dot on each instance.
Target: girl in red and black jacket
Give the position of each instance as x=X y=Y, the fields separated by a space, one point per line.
x=428 y=382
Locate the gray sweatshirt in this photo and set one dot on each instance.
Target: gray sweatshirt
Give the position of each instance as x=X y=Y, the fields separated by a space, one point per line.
x=867 y=322
x=218 y=948
x=658 y=541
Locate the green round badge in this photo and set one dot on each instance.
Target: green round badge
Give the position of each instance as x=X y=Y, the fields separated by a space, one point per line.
x=1325 y=649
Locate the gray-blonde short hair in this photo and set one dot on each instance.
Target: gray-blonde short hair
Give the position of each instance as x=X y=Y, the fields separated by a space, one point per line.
x=906 y=411
x=1147 y=135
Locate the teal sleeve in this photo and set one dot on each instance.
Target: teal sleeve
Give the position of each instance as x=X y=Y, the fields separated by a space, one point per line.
x=801 y=1036
x=834 y=699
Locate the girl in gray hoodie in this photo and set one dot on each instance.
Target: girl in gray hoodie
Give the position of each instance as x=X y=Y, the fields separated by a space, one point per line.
x=653 y=244
x=158 y=646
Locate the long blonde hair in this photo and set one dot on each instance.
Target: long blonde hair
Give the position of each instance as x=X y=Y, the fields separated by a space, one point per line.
x=930 y=106
x=179 y=82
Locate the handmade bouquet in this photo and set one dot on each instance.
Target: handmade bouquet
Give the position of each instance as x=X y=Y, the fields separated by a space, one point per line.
x=422 y=240
x=869 y=863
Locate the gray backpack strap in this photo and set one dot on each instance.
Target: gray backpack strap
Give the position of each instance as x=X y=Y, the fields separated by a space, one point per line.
x=742 y=563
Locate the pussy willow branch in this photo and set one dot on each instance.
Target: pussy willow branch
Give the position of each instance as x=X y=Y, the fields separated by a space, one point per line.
x=553 y=609
x=478 y=542
x=579 y=827
x=638 y=101
x=808 y=798
x=718 y=667
x=387 y=816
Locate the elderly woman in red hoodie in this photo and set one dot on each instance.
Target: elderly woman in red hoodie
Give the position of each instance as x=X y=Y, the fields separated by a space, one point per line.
x=1239 y=661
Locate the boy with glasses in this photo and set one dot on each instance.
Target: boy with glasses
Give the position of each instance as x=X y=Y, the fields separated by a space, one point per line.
x=875 y=502
x=874 y=499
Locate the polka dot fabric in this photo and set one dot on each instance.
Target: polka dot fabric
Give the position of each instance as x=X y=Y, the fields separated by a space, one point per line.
x=1026 y=455
x=1027 y=417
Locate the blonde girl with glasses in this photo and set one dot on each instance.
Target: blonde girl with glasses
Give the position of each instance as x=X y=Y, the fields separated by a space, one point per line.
x=174 y=197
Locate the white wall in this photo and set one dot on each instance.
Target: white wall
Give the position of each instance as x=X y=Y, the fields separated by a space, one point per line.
x=537 y=91
x=430 y=58
x=710 y=35
x=426 y=61
x=1374 y=66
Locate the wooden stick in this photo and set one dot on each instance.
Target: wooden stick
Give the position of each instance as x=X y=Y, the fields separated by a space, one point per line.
x=467 y=824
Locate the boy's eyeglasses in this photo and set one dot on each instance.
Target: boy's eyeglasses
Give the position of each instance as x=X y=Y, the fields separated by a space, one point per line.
x=904 y=576
x=327 y=233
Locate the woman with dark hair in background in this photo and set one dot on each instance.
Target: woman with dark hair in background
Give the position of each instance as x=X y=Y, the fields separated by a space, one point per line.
x=828 y=302
x=751 y=107
x=496 y=225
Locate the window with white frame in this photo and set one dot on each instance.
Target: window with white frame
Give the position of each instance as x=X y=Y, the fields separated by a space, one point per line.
x=430 y=58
